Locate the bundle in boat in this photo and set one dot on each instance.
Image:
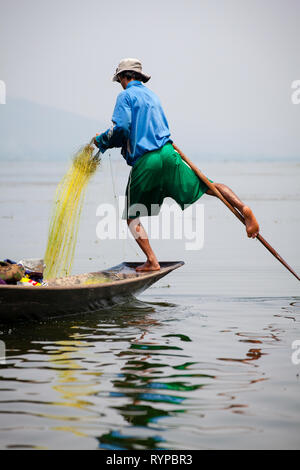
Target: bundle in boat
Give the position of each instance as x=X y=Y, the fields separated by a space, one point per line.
x=64 y=222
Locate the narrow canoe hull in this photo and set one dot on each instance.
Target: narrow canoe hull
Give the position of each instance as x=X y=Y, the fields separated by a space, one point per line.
x=77 y=294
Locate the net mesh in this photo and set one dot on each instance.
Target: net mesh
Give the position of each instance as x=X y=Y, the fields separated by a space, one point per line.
x=64 y=222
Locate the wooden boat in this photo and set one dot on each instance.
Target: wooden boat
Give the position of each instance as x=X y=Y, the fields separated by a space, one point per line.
x=77 y=294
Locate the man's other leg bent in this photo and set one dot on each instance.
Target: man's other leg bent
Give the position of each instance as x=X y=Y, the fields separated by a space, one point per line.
x=252 y=226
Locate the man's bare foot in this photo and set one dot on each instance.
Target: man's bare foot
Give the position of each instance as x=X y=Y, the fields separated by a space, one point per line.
x=252 y=226
x=149 y=266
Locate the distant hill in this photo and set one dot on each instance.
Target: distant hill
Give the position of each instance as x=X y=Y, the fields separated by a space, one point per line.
x=34 y=132
x=29 y=131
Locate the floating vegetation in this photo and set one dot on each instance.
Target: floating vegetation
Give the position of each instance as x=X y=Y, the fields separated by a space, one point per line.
x=64 y=223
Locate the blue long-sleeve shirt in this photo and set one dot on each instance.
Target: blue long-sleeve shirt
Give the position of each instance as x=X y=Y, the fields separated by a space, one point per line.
x=139 y=124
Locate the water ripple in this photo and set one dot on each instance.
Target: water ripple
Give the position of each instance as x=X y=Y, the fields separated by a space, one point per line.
x=153 y=375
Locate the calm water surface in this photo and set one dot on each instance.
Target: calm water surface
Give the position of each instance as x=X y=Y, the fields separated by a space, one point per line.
x=187 y=373
x=201 y=360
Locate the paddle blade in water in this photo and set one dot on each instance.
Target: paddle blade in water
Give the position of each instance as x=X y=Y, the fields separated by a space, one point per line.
x=65 y=217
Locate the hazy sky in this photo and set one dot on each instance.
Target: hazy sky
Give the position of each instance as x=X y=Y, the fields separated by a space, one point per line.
x=222 y=68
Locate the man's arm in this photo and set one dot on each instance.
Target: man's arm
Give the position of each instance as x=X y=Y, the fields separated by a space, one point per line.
x=119 y=132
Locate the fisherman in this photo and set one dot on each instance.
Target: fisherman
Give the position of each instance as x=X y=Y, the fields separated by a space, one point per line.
x=140 y=128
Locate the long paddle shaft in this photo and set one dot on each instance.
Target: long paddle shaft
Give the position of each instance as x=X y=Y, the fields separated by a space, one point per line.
x=233 y=209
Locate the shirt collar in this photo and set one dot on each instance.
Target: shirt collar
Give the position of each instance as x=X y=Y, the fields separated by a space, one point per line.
x=134 y=83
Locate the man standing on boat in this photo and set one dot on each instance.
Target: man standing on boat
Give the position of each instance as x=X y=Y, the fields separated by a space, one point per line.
x=141 y=129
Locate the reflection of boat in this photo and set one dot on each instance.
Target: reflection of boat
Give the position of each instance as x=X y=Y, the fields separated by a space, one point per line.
x=77 y=294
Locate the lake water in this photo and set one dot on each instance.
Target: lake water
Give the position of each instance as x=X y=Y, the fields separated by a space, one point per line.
x=202 y=360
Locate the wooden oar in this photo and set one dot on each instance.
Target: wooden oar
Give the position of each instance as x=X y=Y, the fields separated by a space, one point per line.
x=233 y=209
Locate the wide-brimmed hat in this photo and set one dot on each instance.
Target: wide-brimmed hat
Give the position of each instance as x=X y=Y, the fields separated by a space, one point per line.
x=133 y=65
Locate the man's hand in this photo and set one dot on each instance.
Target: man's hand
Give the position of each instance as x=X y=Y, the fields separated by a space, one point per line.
x=94 y=140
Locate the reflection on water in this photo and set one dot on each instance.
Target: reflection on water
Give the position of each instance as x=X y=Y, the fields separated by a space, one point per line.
x=193 y=374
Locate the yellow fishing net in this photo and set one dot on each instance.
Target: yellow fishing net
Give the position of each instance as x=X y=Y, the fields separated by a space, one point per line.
x=64 y=222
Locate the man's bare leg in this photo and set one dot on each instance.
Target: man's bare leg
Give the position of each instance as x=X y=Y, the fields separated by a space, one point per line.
x=252 y=226
x=142 y=240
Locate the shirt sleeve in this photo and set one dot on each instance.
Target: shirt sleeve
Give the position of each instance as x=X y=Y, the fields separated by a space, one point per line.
x=118 y=133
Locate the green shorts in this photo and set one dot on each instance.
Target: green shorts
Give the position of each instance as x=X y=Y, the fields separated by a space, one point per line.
x=157 y=175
